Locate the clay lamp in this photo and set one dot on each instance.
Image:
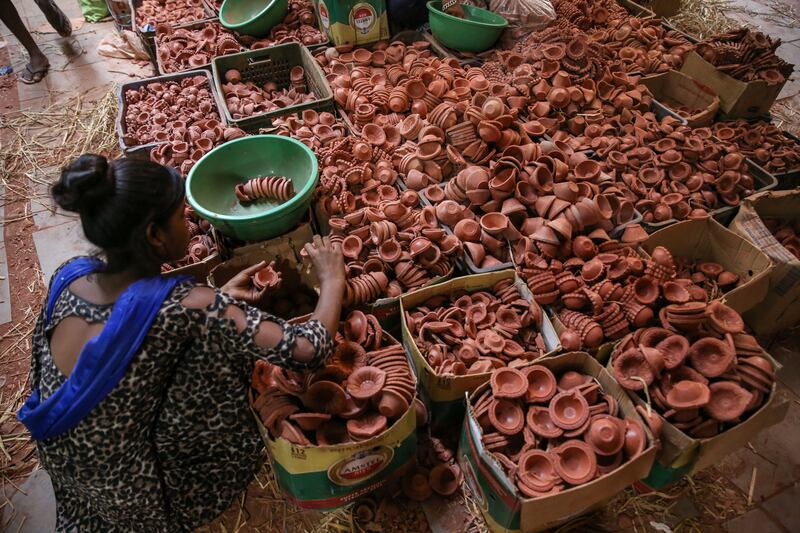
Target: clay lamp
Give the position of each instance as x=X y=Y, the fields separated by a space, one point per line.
x=654 y=358
x=686 y=395
x=711 y=357
x=494 y=223
x=348 y=356
x=605 y=435
x=652 y=419
x=366 y=382
x=675 y=293
x=421 y=412
x=631 y=370
x=569 y=410
x=536 y=469
x=355 y=327
x=541 y=384
x=724 y=319
x=575 y=462
x=331 y=433
x=635 y=438
x=367 y=426
x=416 y=486
x=570 y=340
x=325 y=397
x=728 y=401
x=289 y=431
x=354 y=408
x=539 y=420
x=309 y=421
x=506 y=416
x=392 y=404
x=508 y=383
x=445 y=478
x=351 y=246
x=390 y=250
x=570 y=380
x=266 y=277
x=645 y=290
x=674 y=349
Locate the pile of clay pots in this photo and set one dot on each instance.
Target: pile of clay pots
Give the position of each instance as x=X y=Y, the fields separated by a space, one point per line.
x=553 y=432
x=299 y=25
x=559 y=48
x=188 y=144
x=588 y=14
x=642 y=45
x=315 y=130
x=154 y=111
x=702 y=371
x=180 y=49
x=746 y=55
x=762 y=142
x=246 y=98
x=363 y=388
x=473 y=333
x=785 y=232
x=605 y=289
x=201 y=243
x=155 y=12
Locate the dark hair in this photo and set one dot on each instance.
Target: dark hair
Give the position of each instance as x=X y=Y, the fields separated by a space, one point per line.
x=117 y=200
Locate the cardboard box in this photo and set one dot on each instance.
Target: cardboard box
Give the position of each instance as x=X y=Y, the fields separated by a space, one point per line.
x=504 y=508
x=675 y=87
x=681 y=455
x=709 y=240
x=353 y=22
x=200 y=270
x=445 y=394
x=737 y=99
x=664 y=8
x=779 y=309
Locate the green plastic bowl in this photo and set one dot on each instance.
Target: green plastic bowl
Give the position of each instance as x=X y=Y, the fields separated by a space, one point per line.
x=475 y=33
x=252 y=17
x=210 y=185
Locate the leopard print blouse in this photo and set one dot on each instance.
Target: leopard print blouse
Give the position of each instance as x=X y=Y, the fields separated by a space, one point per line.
x=174 y=443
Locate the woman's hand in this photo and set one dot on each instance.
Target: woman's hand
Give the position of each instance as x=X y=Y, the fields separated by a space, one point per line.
x=241 y=285
x=327 y=259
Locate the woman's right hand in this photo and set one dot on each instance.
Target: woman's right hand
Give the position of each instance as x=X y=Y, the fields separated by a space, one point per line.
x=327 y=259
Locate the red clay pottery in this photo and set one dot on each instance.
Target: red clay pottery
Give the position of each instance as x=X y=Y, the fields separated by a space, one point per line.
x=366 y=382
x=728 y=401
x=688 y=395
x=569 y=410
x=445 y=478
x=606 y=434
x=508 y=383
x=575 y=462
x=416 y=486
x=541 y=384
x=506 y=416
x=366 y=427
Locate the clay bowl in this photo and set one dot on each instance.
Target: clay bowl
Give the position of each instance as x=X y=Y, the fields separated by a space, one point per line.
x=325 y=397
x=366 y=426
x=569 y=410
x=635 y=438
x=540 y=421
x=366 y=382
x=506 y=416
x=508 y=383
x=537 y=470
x=711 y=357
x=541 y=384
x=575 y=463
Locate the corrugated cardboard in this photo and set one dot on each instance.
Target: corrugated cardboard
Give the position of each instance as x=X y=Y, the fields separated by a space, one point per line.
x=709 y=240
x=779 y=309
x=678 y=87
x=504 y=508
x=446 y=393
x=737 y=99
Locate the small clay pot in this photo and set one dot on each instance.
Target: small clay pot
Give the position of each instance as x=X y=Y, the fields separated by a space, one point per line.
x=366 y=382
x=541 y=384
x=728 y=401
x=606 y=435
x=569 y=410
x=508 y=383
x=445 y=478
x=688 y=395
x=575 y=462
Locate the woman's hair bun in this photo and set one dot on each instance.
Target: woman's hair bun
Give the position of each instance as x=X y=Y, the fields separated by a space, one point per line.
x=85 y=183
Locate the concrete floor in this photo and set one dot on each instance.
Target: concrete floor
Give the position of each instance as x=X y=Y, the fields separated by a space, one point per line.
x=773 y=459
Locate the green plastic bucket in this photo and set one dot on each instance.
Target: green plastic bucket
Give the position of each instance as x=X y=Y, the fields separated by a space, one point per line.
x=252 y=17
x=475 y=33
x=210 y=185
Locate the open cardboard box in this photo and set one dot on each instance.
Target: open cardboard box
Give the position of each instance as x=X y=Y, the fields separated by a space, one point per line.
x=446 y=393
x=673 y=86
x=779 y=309
x=710 y=241
x=200 y=270
x=737 y=99
x=504 y=508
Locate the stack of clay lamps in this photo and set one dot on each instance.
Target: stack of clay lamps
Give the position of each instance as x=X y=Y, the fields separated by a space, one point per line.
x=181 y=49
x=313 y=129
x=163 y=111
x=676 y=172
x=642 y=46
x=762 y=142
x=363 y=388
x=187 y=146
x=703 y=373
x=472 y=333
x=385 y=85
x=603 y=289
x=588 y=14
x=201 y=243
x=155 y=12
x=785 y=232
x=245 y=98
x=746 y=55
x=272 y=188
x=709 y=275
x=392 y=248
x=535 y=196
x=556 y=49
x=550 y=432
x=299 y=25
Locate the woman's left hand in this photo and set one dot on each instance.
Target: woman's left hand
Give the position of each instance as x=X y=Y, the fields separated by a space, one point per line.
x=241 y=286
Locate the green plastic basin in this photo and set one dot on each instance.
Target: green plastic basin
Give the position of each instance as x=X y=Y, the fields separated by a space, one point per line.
x=210 y=185
x=475 y=33
x=252 y=17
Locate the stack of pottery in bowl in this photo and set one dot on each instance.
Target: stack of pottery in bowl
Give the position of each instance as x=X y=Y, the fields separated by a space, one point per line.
x=702 y=372
x=473 y=333
x=554 y=432
x=364 y=387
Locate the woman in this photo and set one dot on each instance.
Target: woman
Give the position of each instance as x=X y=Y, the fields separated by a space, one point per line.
x=149 y=429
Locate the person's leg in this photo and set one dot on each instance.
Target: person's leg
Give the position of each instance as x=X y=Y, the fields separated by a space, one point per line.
x=37 y=68
x=57 y=18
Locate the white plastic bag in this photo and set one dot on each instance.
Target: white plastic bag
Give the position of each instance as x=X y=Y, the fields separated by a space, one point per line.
x=523 y=16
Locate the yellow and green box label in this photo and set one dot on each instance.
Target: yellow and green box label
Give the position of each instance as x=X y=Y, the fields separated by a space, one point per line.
x=353 y=22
